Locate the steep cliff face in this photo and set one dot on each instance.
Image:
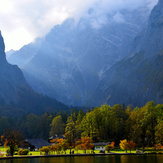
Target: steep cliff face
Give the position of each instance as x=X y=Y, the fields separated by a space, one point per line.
x=150 y=40
x=2 y=49
x=71 y=60
x=139 y=77
x=11 y=78
x=16 y=93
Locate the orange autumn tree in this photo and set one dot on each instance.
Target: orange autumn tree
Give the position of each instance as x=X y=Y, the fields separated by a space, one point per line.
x=55 y=141
x=60 y=145
x=131 y=145
x=158 y=146
x=57 y=144
x=54 y=148
x=12 y=138
x=86 y=143
x=2 y=139
x=64 y=145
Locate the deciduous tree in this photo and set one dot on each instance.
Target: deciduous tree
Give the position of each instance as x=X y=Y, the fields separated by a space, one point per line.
x=124 y=144
x=159 y=132
x=131 y=145
x=70 y=130
x=57 y=126
x=109 y=146
x=13 y=138
x=86 y=143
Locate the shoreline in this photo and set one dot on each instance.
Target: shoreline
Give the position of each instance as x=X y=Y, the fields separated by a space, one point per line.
x=73 y=155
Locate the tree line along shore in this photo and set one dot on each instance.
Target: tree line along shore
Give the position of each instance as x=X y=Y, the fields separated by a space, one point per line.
x=142 y=127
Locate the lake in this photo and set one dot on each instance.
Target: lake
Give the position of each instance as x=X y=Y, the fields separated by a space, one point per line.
x=92 y=159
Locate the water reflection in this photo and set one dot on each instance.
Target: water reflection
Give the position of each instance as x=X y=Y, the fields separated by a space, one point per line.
x=140 y=159
x=91 y=159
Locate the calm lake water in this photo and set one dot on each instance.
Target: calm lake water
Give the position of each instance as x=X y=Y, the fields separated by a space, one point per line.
x=92 y=159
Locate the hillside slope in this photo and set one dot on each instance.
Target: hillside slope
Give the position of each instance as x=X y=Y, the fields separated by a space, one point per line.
x=16 y=96
x=138 y=78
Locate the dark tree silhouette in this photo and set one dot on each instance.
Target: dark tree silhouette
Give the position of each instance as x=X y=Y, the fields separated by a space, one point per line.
x=13 y=138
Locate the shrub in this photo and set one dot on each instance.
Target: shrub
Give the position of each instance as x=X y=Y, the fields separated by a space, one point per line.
x=8 y=152
x=20 y=151
x=23 y=151
x=45 y=149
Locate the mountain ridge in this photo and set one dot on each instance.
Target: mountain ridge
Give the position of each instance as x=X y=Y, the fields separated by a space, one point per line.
x=138 y=78
x=73 y=58
x=16 y=96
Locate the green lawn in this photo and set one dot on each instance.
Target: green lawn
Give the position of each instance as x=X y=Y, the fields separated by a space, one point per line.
x=34 y=153
x=116 y=150
x=3 y=149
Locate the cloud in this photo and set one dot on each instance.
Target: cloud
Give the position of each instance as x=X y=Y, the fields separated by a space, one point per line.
x=118 y=17
x=102 y=8
x=24 y=20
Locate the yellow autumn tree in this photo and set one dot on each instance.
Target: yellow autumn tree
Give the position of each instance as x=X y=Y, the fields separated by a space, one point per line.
x=124 y=145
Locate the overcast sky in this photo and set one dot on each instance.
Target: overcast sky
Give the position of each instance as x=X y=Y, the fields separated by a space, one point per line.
x=21 y=21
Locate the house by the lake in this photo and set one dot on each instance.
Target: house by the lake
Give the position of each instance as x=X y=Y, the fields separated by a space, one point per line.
x=34 y=144
x=100 y=146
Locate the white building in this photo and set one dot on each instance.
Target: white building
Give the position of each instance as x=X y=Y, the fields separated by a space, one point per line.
x=100 y=146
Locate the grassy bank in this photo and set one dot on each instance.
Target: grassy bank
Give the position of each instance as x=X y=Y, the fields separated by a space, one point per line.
x=115 y=151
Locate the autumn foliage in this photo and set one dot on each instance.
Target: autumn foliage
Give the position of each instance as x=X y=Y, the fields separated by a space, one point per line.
x=86 y=143
x=45 y=149
x=123 y=144
x=109 y=146
x=59 y=145
x=127 y=145
x=158 y=146
x=131 y=145
x=12 y=138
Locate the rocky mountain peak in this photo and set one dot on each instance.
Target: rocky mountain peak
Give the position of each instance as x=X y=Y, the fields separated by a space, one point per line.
x=16 y=93
x=156 y=18
x=137 y=78
x=2 y=49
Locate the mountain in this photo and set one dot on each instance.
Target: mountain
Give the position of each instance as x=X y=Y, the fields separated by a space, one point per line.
x=9 y=53
x=138 y=78
x=28 y=51
x=70 y=61
x=16 y=96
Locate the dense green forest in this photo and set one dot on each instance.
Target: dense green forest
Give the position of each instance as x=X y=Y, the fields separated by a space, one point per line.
x=142 y=125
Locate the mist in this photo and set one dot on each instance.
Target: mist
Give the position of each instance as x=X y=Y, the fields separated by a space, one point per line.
x=23 y=21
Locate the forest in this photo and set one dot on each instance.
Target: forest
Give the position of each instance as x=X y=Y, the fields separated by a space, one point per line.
x=142 y=125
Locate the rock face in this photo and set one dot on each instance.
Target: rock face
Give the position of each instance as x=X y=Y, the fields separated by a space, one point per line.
x=11 y=78
x=16 y=93
x=71 y=60
x=138 y=78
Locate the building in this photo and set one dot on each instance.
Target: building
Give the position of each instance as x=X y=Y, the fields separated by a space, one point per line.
x=34 y=144
x=100 y=146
